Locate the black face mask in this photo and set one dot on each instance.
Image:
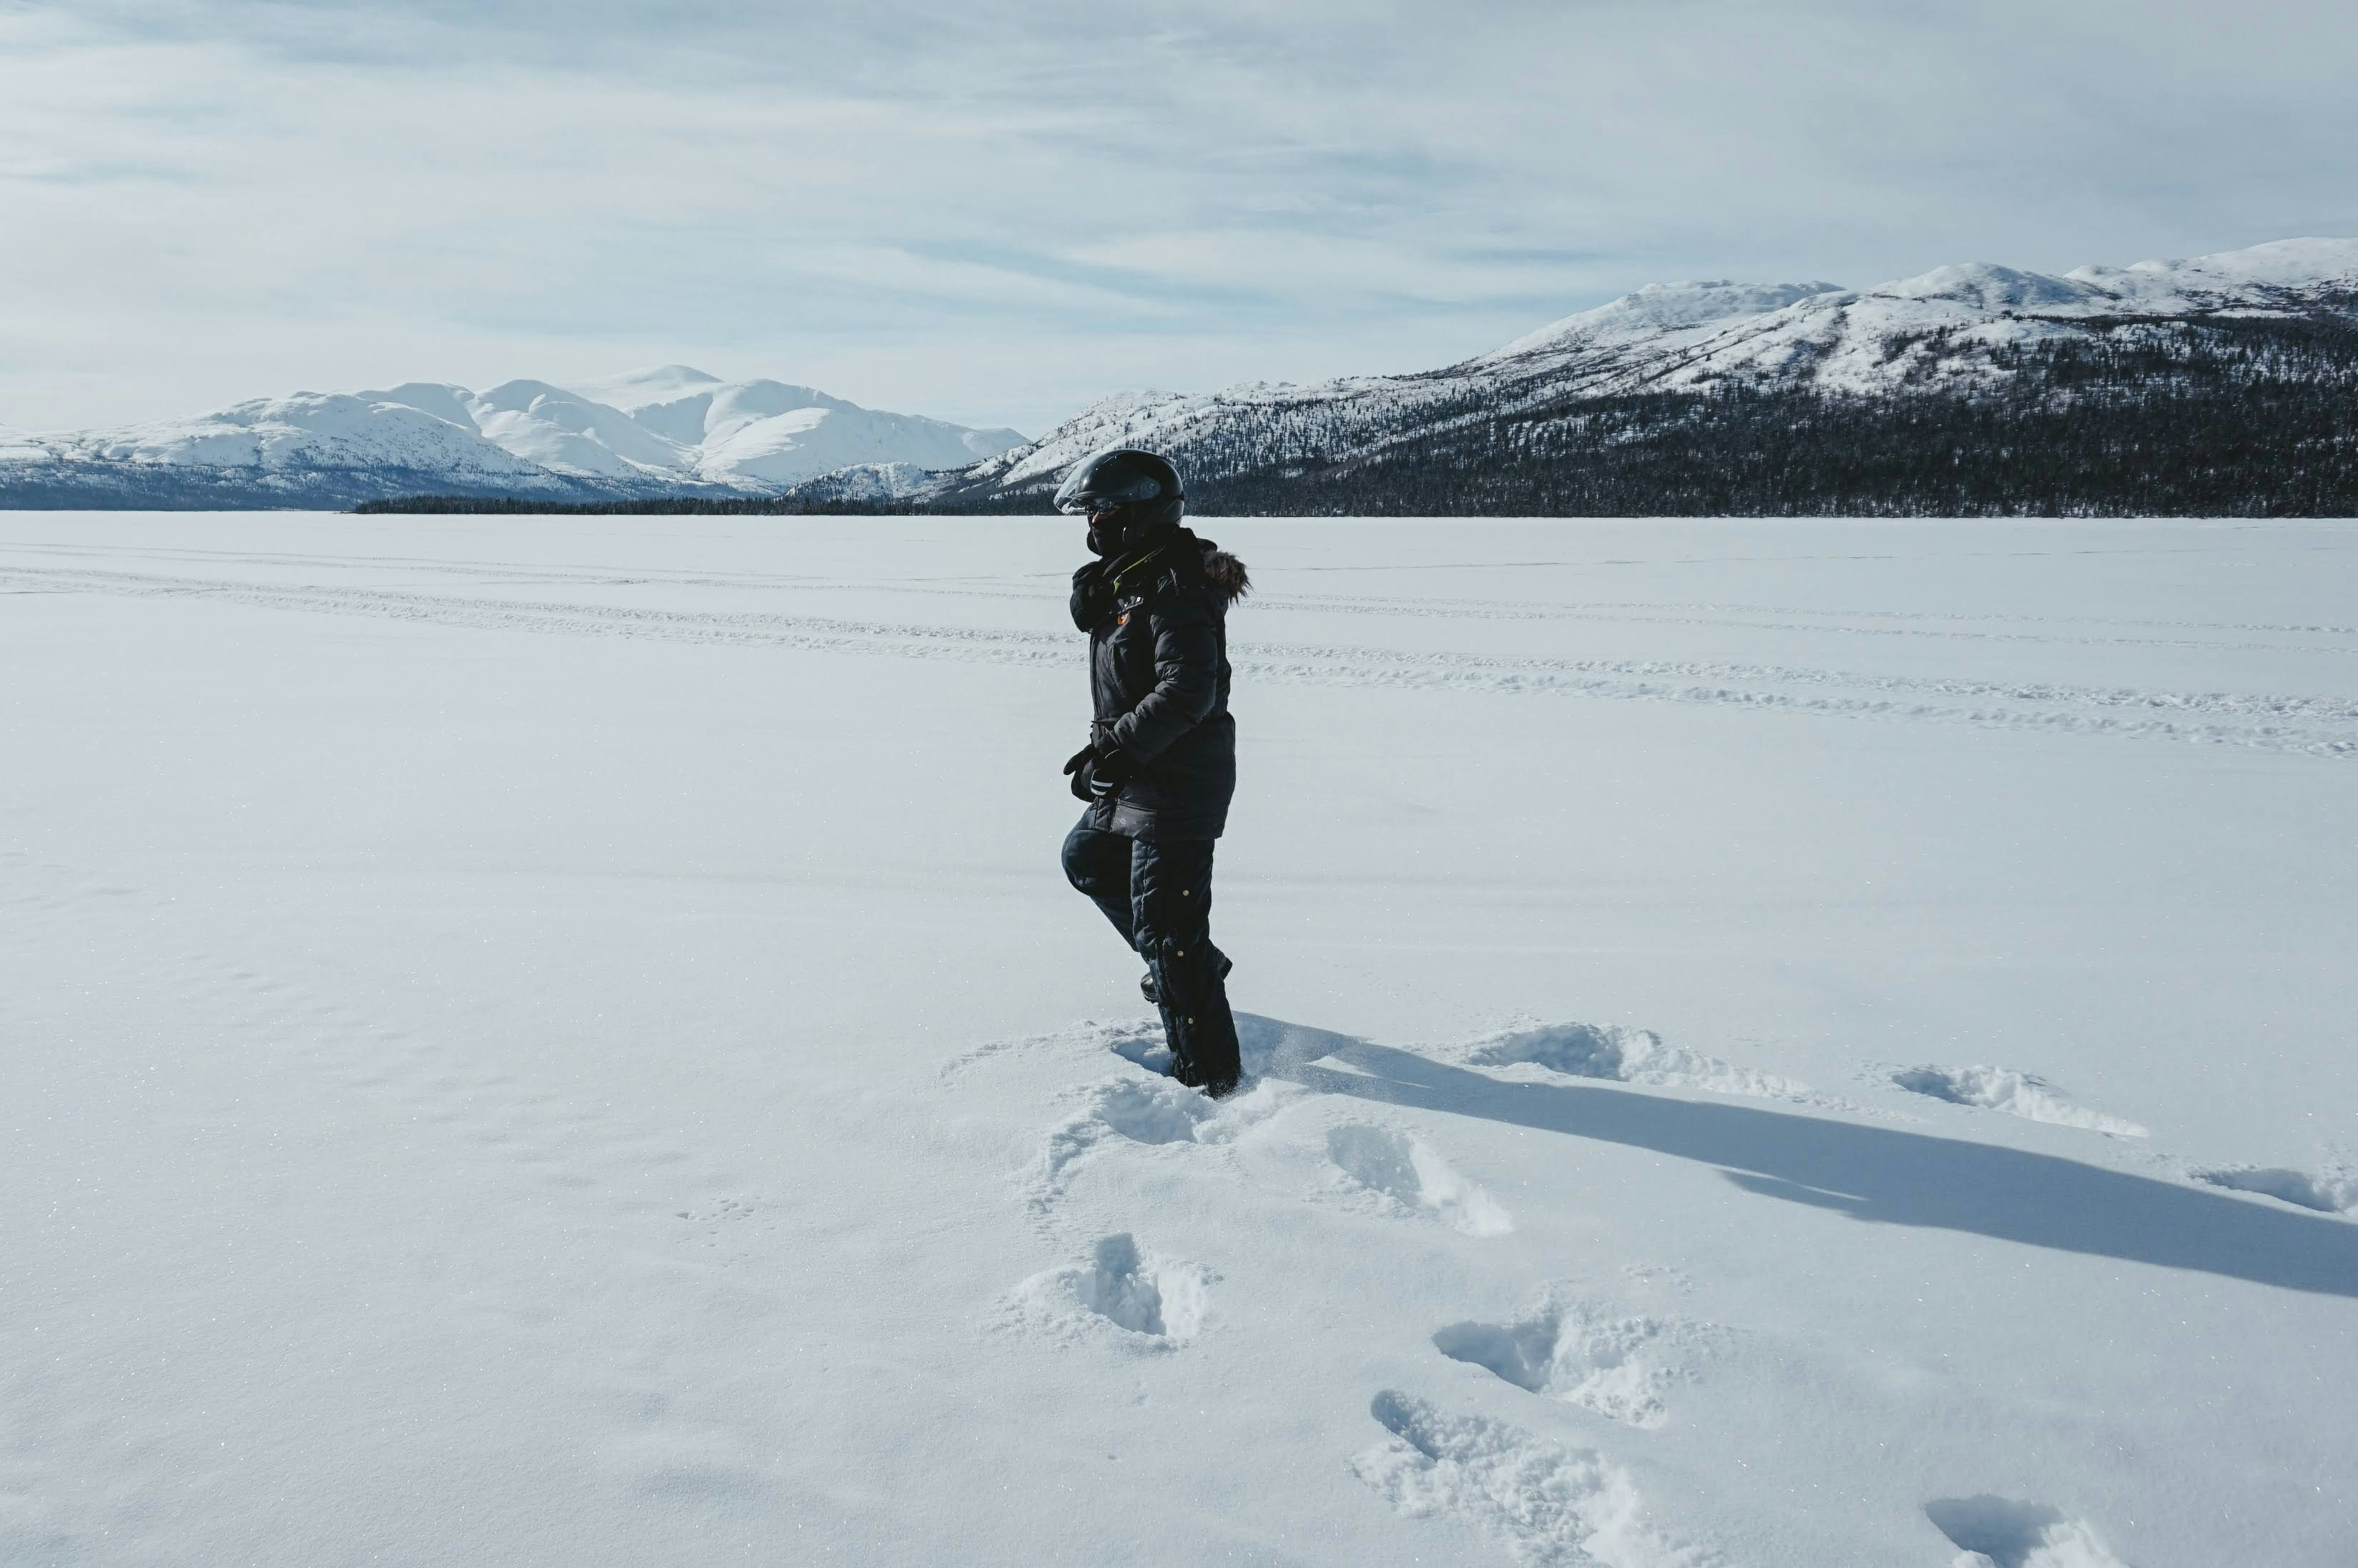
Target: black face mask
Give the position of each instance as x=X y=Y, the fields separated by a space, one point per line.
x=1106 y=532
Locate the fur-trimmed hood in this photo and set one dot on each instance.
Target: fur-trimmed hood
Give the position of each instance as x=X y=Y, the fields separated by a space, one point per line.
x=1164 y=560
x=1224 y=573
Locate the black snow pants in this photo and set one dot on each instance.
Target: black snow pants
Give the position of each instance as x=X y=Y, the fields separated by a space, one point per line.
x=1158 y=893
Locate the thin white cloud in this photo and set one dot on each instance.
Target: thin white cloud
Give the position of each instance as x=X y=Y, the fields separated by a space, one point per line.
x=994 y=211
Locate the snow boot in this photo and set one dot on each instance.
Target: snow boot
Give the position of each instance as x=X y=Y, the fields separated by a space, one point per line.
x=1196 y=1023
x=1214 y=1088
x=1154 y=999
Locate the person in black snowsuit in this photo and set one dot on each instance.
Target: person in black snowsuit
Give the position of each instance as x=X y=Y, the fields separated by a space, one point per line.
x=1160 y=764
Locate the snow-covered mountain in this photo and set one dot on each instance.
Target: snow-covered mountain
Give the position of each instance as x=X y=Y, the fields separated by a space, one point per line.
x=1943 y=327
x=762 y=435
x=661 y=431
x=1964 y=330
x=2096 y=389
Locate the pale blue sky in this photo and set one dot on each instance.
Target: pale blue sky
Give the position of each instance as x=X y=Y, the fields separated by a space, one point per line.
x=997 y=212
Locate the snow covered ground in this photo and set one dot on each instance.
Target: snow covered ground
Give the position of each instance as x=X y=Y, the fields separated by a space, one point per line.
x=559 y=1042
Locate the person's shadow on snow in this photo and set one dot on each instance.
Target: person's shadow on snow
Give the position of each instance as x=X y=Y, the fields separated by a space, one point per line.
x=1876 y=1173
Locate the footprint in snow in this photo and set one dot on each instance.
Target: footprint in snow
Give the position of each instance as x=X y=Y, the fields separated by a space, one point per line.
x=1127 y=1039
x=1264 y=1046
x=1994 y=1532
x=1149 y=1111
x=1619 y=1055
x=1579 y=1352
x=2330 y=1191
x=1122 y=1294
x=1144 y=1048
x=2016 y=1093
x=1142 y=1110
x=1406 y=1176
x=1130 y=1112
x=1545 y=1503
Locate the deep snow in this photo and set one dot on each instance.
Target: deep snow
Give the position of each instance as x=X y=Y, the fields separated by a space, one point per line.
x=1785 y=1044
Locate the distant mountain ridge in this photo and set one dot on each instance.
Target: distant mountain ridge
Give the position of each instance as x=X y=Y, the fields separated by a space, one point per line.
x=666 y=432
x=2223 y=384
x=2225 y=381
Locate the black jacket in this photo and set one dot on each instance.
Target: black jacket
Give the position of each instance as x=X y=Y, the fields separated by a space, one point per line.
x=1157 y=619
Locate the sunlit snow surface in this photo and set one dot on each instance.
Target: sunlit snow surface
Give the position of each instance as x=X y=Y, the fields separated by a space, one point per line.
x=564 y=1041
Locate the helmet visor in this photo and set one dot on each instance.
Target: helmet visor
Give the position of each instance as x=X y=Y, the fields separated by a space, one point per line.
x=1116 y=479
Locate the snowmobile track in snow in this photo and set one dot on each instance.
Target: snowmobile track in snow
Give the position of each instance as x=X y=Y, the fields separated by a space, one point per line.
x=2314 y=726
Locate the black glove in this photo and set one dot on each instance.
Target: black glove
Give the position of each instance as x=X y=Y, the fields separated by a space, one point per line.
x=1108 y=772
x=1090 y=600
x=1096 y=773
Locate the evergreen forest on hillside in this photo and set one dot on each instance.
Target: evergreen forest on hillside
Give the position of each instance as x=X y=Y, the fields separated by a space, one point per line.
x=2156 y=417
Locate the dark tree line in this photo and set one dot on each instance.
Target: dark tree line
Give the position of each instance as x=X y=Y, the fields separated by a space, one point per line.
x=2129 y=416
x=651 y=506
x=2168 y=418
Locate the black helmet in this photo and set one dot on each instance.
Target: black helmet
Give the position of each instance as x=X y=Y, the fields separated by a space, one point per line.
x=1124 y=480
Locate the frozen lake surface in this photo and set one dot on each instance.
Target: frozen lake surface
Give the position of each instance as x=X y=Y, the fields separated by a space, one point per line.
x=564 y=1041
